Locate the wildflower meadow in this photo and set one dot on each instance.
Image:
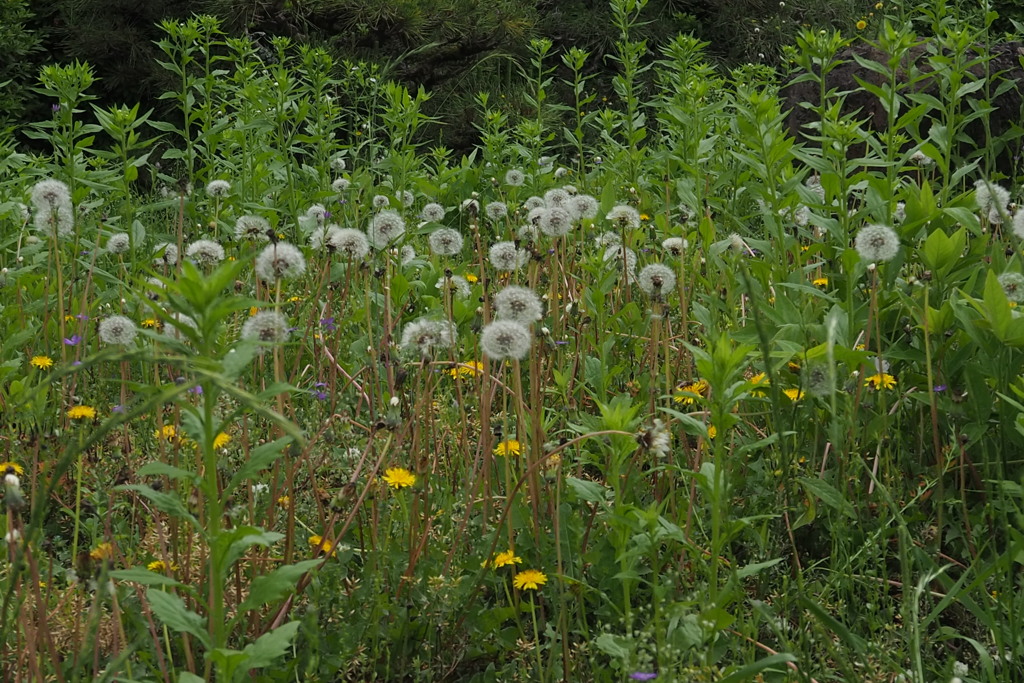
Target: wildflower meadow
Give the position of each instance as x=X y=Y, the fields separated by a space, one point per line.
x=648 y=385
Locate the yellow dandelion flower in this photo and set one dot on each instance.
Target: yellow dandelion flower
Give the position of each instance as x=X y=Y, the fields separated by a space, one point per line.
x=793 y=394
x=284 y=501
x=529 y=580
x=878 y=5
x=41 y=362
x=104 y=551
x=760 y=381
x=221 y=440
x=8 y=467
x=688 y=393
x=69 y=318
x=320 y=544
x=294 y=299
x=253 y=311
x=399 y=478
x=167 y=432
x=644 y=217
x=508 y=447
x=820 y=282
x=861 y=25
x=882 y=380
x=712 y=431
x=507 y=558
x=469 y=368
x=151 y=323
x=471 y=278
x=161 y=567
x=82 y=413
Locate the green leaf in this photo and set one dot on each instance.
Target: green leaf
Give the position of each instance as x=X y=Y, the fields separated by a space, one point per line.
x=588 y=491
x=854 y=642
x=270 y=647
x=750 y=671
x=186 y=677
x=752 y=569
x=259 y=459
x=612 y=645
x=162 y=469
x=828 y=494
x=171 y=611
x=143 y=576
x=165 y=502
x=275 y=585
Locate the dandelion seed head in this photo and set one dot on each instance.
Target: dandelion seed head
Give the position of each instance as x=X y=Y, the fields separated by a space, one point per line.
x=616 y=255
x=406 y=198
x=407 y=255
x=119 y=243
x=338 y=164
x=381 y=201
x=349 y=243
x=503 y=339
x=514 y=177
x=584 y=206
x=533 y=203
x=990 y=197
x=458 y=284
x=470 y=206
x=555 y=222
x=445 y=242
x=117 y=330
x=655 y=279
x=507 y=257
x=385 y=228
x=624 y=216
x=426 y=337
x=877 y=243
x=519 y=304
x=50 y=194
x=556 y=197
x=496 y=210
x=254 y=228
x=609 y=238
x=205 y=252
x=318 y=212
x=818 y=381
x=269 y=327
x=281 y=261
x=166 y=253
x=432 y=213
x=675 y=246
x=1013 y=285
x=1018 y=223
x=341 y=185
x=218 y=188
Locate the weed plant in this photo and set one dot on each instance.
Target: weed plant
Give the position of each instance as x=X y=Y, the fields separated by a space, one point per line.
x=660 y=394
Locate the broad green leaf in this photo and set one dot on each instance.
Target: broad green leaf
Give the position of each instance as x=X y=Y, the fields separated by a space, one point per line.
x=275 y=585
x=172 y=612
x=270 y=647
x=750 y=671
x=144 y=576
x=828 y=494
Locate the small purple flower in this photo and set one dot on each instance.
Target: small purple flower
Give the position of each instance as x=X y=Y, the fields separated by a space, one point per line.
x=55 y=107
x=939 y=387
x=327 y=214
x=82 y=316
x=73 y=340
x=119 y=409
x=318 y=392
x=642 y=676
x=76 y=363
x=328 y=324
x=197 y=390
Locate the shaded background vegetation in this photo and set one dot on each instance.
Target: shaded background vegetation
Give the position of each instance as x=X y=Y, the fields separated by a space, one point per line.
x=454 y=48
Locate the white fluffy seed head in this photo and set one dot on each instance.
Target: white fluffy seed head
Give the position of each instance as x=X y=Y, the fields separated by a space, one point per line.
x=432 y=213
x=381 y=201
x=624 y=216
x=1013 y=285
x=350 y=243
x=119 y=243
x=426 y=337
x=218 y=188
x=675 y=246
x=520 y=304
x=584 y=206
x=533 y=203
x=877 y=243
x=507 y=257
x=555 y=222
x=118 y=330
x=514 y=177
x=445 y=242
x=385 y=228
x=503 y=339
x=341 y=185
x=268 y=327
x=496 y=210
x=280 y=261
x=656 y=280
x=253 y=228
x=617 y=255
x=556 y=197
x=165 y=253
x=205 y=252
